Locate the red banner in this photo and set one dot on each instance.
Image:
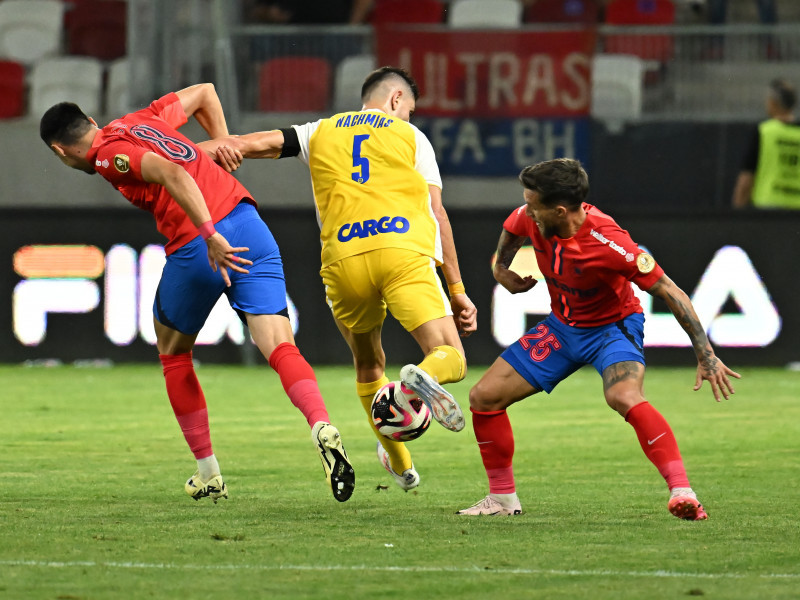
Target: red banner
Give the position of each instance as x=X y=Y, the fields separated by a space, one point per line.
x=494 y=73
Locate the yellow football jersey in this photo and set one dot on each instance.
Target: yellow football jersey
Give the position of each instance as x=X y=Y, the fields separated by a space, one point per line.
x=370 y=174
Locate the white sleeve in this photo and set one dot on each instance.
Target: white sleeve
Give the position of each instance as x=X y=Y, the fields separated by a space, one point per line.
x=426 y=159
x=304 y=133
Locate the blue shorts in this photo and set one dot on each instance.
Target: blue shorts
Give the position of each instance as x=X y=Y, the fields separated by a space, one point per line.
x=189 y=289
x=552 y=351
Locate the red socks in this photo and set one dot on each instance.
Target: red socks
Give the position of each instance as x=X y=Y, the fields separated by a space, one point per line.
x=299 y=382
x=658 y=443
x=188 y=402
x=496 y=443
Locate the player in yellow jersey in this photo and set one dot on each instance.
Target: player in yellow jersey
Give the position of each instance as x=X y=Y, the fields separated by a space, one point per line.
x=384 y=231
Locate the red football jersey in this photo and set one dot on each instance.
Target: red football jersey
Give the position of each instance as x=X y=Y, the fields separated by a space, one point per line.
x=117 y=155
x=588 y=274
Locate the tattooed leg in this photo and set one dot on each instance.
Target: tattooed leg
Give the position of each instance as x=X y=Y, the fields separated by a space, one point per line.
x=622 y=385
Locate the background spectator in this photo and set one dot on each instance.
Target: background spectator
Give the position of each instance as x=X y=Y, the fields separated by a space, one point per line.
x=770 y=172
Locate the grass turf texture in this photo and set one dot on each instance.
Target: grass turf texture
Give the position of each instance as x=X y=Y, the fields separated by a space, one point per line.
x=92 y=502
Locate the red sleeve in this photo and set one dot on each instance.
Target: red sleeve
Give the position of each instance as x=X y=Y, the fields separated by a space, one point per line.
x=120 y=162
x=170 y=109
x=628 y=258
x=518 y=223
x=648 y=271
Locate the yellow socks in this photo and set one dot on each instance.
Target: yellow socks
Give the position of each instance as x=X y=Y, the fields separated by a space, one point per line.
x=445 y=364
x=399 y=456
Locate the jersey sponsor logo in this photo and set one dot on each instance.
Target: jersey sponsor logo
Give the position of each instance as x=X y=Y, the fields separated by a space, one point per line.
x=364 y=229
x=122 y=163
x=173 y=147
x=374 y=119
x=610 y=243
x=645 y=263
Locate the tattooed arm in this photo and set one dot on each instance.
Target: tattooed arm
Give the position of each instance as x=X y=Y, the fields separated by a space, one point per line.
x=709 y=367
x=507 y=248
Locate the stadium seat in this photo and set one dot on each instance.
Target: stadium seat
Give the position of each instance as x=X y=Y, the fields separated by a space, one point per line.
x=118 y=91
x=97 y=28
x=563 y=11
x=77 y=79
x=407 y=11
x=485 y=14
x=30 y=29
x=118 y=98
x=641 y=12
x=294 y=84
x=617 y=88
x=350 y=75
x=12 y=89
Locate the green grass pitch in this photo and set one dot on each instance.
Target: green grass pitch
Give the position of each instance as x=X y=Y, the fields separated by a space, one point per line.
x=92 y=503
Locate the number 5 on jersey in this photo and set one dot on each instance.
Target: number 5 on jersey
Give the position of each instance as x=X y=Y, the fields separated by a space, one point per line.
x=360 y=162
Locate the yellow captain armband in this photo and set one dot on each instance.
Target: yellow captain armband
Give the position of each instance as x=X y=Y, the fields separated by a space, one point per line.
x=456 y=288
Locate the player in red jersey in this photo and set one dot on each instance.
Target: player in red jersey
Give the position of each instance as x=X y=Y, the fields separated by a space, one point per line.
x=213 y=232
x=588 y=262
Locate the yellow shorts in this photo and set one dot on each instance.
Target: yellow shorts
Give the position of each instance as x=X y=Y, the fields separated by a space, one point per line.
x=360 y=288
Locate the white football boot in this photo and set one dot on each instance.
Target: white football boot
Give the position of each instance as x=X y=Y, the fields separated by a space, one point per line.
x=408 y=480
x=441 y=404
x=489 y=506
x=338 y=470
x=214 y=488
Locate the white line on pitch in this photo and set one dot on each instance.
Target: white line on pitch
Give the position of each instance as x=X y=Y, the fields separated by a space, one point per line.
x=370 y=568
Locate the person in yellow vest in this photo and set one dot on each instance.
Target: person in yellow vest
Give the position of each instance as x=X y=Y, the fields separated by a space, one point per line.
x=770 y=172
x=384 y=231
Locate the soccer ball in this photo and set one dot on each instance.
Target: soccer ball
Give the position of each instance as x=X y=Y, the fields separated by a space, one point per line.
x=398 y=415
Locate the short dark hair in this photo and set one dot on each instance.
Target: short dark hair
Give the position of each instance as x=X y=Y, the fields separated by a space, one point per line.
x=784 y=93
x=561 y=181
x=378 y=76
x=64 y=123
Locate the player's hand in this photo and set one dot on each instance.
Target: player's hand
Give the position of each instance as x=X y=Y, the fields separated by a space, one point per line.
x=465 y=314
x=229 y=158
x=223 y=257
x=717 y=374
x=513 y=282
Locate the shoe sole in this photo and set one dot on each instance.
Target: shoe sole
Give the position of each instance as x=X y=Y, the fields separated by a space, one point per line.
x=688 y=510
x=442 y=405
x=338 y=471
x=499 y=513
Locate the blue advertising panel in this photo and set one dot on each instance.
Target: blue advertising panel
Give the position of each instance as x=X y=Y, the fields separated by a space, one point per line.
x=502 y=147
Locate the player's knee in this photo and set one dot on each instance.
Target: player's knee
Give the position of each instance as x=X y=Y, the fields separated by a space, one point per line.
x=483 y=398
x=623 y=400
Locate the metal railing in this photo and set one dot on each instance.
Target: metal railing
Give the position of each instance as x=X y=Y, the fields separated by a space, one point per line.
x=692 y=72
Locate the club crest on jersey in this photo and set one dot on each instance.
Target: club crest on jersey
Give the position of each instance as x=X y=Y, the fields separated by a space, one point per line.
x=364 y=229
x=122 y=163
x=645 y=263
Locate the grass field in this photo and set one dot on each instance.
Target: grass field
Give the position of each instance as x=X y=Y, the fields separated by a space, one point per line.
x=92 y=505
